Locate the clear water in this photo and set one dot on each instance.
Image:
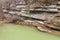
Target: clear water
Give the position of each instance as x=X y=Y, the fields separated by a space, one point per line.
x=20 y=32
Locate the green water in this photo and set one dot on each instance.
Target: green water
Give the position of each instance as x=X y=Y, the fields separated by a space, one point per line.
x=19 y=32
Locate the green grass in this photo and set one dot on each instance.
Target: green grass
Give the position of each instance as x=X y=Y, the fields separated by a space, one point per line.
x=20 y=32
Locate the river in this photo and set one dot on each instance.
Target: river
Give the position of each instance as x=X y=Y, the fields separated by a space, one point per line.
x=21 y=32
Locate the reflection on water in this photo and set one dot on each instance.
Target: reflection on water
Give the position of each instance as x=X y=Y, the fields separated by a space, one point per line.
x=20 y=32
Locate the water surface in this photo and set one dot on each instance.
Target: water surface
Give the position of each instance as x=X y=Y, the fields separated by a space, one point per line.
x=21 y=32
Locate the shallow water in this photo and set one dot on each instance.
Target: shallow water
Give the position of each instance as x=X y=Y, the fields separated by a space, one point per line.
x=21 y=32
